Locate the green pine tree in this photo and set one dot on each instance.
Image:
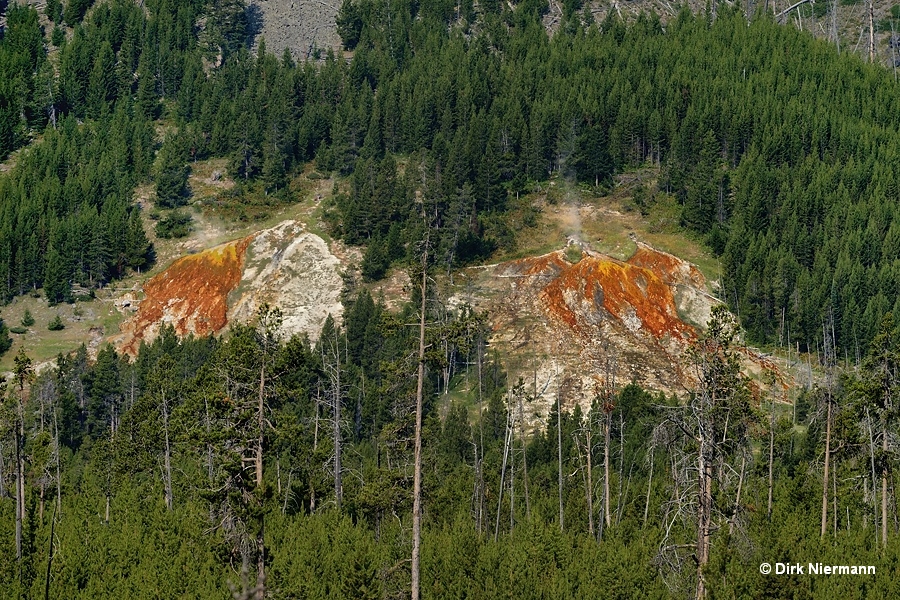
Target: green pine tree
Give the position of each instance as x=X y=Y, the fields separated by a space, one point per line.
x=57 y=285
x=171 y=183
x=5 y=340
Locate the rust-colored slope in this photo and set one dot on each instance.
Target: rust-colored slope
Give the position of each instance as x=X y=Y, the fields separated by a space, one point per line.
x=636 y=296
x=638 y=292
x=563 y=323
x=191 y=295
x=671 y=269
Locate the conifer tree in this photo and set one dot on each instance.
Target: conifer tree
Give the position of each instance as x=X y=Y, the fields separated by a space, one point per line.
x=171 y=183
x=57 y=284
x=5 y=340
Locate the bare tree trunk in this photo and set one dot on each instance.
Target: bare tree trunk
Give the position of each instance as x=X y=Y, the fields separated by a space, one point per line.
x=167 y=461
x=312 y=487
x=589 y=492
x=524 y=459
x=512 y=471
x=20 y=485
x=704 y=517
x=338 y=485
x=2 y=474
x=893 y=51
x=479 y=455
x=834 y=30
x=502 y=477
x=261 y=417
x=649 y=487
x=623 y=484
x=559 y=450
x=417 y=468
x=287 y=492
x=771 y=459
x=607 y=416
x=872 y=457
x=737 y=497
x=884 y=485
x=476 y=491
x=871 y=31
x=57 y=457
x=210 y=471
x=827 y=464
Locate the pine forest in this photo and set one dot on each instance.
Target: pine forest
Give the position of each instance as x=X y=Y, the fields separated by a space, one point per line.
x=403 y=450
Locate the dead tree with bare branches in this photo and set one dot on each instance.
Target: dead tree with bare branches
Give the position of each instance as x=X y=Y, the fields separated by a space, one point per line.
x=709 y=431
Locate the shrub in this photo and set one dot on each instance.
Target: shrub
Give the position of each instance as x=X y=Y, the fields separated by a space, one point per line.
x=176 y=224
x=56 y=324
x=58 y=36
x=5 y=340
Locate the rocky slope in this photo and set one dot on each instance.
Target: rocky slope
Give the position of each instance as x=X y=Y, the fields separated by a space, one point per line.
x=575 y=319
x=301 y=26
x=565 y=322
x=284 y=266
x=294 y=270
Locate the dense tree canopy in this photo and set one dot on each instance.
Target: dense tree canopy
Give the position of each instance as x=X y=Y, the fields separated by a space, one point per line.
x=149 y=460
x=779 y=150
x=207 y=458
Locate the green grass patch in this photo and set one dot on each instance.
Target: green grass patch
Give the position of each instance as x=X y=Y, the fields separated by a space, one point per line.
x=85 y=323
x=573 y=253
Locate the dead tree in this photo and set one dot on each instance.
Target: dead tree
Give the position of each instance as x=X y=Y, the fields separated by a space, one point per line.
x=828 y=345
x=417 y=466
x=711 y=427
x=521 y=419
x=330 y=349
x=23 y=373
x=479 y=450
x=877 y=386
x=871 y=31
x=608 y=407
x=771 y=460
x=506 y=445
x=160 y=388
x=559 y=449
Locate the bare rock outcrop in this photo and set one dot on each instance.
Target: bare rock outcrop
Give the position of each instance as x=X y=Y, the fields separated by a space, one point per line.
x=567 y=327
x=285 y=267
x=301 y=26
x=294 y=270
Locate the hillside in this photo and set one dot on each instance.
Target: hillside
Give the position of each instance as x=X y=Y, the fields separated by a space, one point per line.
x=556 y=317
x=304 y=26
x=506 y=299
